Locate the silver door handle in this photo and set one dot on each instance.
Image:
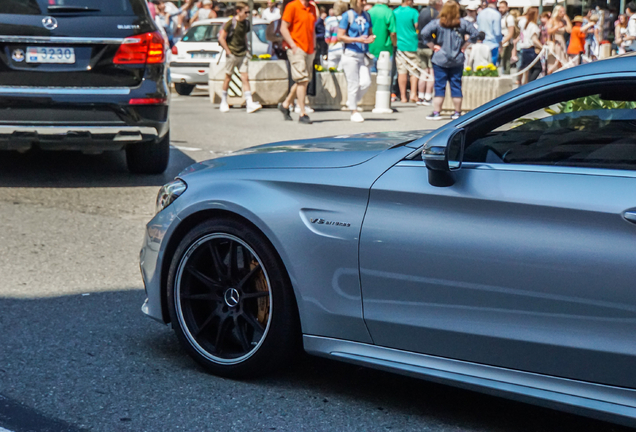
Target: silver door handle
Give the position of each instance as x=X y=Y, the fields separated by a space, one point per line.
x=630 y=216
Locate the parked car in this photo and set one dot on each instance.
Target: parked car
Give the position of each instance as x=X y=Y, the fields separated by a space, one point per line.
x=495 y=253
x=84 y=75
x=191 y=56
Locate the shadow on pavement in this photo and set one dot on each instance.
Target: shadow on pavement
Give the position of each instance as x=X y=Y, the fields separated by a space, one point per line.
x=37 y=168
x=95 y=361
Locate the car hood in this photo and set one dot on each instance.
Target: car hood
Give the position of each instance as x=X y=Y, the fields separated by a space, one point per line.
x=331 y=152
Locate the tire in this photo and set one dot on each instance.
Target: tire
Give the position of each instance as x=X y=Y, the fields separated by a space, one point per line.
x=150 y=157
x=184 y=89
x=237 y=318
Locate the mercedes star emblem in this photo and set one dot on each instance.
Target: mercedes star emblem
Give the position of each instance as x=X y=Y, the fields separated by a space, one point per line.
x=49 y=23
x=231 y=297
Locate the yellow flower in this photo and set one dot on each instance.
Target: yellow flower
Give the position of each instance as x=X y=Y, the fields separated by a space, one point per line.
x=319 y=68
x=468 y=69
x=480 y=67
x=492 y=67
x=264 y=56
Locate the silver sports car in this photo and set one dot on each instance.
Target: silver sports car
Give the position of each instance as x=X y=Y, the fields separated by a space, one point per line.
x=495 y=253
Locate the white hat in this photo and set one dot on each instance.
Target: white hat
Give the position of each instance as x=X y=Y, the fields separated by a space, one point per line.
x=386 y=2
x=473 y=5
x=207 y=2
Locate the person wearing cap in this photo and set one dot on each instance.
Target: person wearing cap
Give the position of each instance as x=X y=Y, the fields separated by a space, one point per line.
x=425 y=54
x=233 y=39
x=206 y=12
x=471 y=12
x=384 y=30
x=271 y=13
x=577 y=37
x=489 y=21
x=508 y=30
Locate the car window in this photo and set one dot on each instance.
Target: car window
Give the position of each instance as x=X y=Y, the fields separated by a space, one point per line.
x=54 y=7
x=259 y=30
x=203 y=33
x=586 y=132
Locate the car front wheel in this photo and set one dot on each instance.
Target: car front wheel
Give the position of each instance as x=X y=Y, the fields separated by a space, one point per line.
x=231 y=303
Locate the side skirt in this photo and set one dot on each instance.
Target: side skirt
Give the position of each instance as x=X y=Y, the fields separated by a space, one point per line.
x=615 y=404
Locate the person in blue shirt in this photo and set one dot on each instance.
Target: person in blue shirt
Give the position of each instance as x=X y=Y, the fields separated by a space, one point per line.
x=489 y=21
x=356 y=33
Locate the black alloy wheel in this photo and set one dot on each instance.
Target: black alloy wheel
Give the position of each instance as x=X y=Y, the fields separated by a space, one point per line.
x=231 y=303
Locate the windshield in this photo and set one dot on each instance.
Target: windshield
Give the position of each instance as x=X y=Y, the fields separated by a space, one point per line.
x=210 y=33
x=53 y=7
x=203 y=33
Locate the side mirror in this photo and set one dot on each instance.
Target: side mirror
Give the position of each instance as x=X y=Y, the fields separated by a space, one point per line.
x=443 y=154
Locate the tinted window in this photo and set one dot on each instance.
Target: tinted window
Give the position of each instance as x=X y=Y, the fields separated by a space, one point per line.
x=259 y=30
x=585 y=132
x=203 y=33
x=55 y=7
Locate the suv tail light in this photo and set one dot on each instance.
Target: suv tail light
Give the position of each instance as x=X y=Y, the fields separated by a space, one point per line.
x=175 y=51
x=147 y=48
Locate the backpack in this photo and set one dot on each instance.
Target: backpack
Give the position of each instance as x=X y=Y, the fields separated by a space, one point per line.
x=230 y=32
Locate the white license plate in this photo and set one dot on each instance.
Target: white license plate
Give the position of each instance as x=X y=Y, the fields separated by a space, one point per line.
x=50 y=55
x=203 y=55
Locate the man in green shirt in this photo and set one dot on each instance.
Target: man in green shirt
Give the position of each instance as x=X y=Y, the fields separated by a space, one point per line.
x=406 y=25
x=233 y=39
x=383 y=28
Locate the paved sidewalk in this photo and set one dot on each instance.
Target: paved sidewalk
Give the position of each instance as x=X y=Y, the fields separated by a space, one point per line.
x=202 y=132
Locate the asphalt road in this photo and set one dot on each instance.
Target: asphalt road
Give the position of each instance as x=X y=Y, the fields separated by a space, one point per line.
x=76 y=353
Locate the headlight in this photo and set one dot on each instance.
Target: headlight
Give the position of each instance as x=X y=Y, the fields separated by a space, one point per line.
x=170 y=192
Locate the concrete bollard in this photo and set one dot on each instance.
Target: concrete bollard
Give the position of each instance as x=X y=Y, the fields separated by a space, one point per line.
x=383 y=93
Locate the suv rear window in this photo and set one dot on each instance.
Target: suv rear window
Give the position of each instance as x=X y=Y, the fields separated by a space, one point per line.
x=64 y=7
x=203 y=33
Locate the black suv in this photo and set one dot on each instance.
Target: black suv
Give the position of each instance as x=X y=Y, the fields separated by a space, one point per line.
x=86 y=75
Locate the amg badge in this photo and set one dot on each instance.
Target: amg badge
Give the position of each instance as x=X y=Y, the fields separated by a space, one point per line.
x=326 y=222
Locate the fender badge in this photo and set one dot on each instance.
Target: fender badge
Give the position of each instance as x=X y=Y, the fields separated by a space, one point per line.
x=17 y=55
x=320 y=221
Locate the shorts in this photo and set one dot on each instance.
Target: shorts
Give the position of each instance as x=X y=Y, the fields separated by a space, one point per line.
x=452 y=75
x=425 y=55
x=301 y=65
x=527 y=56
x=402 y=64
x=232 y=61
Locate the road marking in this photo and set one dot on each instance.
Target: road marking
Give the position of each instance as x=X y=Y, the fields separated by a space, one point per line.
x=182 y=149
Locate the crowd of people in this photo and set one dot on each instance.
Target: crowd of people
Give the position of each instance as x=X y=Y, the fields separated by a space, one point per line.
x=429 y=47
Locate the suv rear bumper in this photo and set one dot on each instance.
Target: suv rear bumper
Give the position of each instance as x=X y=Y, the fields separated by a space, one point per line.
x=89 y=119
x=83 y=138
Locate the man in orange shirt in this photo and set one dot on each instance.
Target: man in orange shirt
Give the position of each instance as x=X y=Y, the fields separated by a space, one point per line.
x=298 y=31
x=577 y=37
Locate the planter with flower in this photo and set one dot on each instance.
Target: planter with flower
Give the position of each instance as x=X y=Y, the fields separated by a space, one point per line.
x=479 y=86
x=268 y=80
x=331 y=90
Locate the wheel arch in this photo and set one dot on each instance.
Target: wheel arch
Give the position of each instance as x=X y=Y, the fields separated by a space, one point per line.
x=187 y=224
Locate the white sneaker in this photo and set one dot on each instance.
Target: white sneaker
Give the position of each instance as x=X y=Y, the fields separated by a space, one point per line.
x=224 y=107
x=253 y=107
x=356 y=117
x=308 y=109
